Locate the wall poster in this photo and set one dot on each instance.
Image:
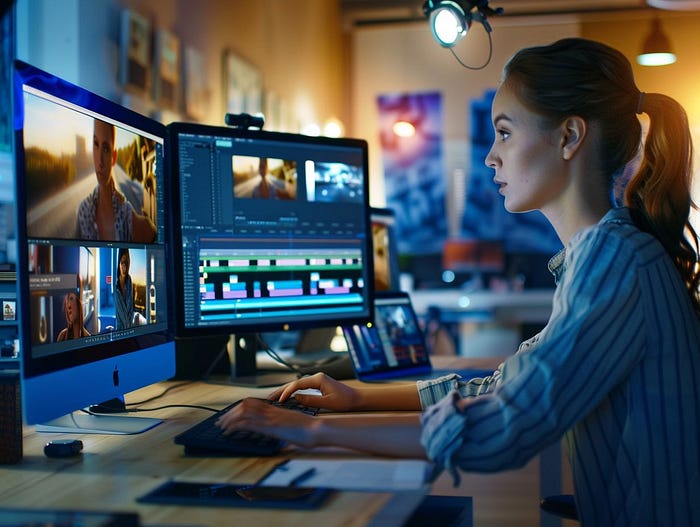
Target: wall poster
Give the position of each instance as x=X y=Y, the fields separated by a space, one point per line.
x=413 y=170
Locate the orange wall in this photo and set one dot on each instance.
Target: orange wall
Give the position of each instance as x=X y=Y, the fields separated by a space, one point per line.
x=680 y=80
x=296 y=44
x=396 y=59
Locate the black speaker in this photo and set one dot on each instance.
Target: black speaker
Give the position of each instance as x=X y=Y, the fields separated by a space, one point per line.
x=10 y=417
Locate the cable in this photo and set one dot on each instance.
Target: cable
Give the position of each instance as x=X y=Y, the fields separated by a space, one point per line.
x=476 y=68
x=275 y=356
x=138 y=410
x=161 y=394
x=210 y=369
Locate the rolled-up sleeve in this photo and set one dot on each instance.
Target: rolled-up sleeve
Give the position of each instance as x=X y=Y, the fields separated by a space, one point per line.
x=433 y=390
x=443 y=428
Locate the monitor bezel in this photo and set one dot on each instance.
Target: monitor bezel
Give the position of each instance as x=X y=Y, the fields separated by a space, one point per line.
x=32 y=366
x=177 y=310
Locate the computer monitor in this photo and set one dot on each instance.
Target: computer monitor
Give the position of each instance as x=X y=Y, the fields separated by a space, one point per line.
x=83 y=341
x=271 y=233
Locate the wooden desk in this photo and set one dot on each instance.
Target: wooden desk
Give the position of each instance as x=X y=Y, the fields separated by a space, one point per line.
x=114 y=470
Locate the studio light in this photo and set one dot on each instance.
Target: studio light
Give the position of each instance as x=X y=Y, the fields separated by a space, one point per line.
x=656 y=49
x=450 y=21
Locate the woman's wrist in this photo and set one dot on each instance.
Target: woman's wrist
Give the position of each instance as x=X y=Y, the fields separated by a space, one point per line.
x=320 y=432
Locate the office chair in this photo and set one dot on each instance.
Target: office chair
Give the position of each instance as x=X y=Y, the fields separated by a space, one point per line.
x=561 y=505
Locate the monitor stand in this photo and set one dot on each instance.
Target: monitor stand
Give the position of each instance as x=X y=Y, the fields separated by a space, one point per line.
x=85 y=423
x=242 y=350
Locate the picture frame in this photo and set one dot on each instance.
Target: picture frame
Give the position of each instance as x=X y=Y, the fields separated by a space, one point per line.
x=166 y=71
x=135 y=52
x=196 y=92
x=272 y=111
x=242 y=85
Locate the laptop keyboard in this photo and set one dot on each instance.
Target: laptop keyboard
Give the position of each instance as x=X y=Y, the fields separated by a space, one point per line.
x=207 y=439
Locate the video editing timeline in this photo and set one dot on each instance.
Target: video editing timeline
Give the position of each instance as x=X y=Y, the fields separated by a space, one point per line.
x=271 y=226
x=269 y=281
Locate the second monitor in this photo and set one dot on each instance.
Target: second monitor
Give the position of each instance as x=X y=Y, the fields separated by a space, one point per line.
x=271 y=232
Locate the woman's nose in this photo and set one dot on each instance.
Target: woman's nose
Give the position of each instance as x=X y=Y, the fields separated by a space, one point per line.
x=491 y=160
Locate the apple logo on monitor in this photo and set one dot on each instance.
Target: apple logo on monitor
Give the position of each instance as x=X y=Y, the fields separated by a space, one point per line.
x=115 y=376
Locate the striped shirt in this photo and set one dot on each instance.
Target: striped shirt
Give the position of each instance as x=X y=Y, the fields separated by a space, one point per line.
x=615 y=372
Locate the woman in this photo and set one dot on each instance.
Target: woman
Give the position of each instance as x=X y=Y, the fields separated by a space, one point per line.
x=616 y=369
x=73 y=310
x=124 y=298
x=105 y=214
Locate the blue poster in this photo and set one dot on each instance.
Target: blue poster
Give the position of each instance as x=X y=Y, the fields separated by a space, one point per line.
x=413 y=170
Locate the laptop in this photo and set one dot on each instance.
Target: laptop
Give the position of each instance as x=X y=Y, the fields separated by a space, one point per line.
x=394 y=347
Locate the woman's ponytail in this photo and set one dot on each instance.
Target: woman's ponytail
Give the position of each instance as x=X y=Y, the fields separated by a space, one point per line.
x=658 y=195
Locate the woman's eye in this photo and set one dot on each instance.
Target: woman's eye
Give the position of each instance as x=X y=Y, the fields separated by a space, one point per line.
x=502 y=134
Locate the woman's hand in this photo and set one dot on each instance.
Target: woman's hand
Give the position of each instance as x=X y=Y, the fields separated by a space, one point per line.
x=335 y=395
x=261 y=416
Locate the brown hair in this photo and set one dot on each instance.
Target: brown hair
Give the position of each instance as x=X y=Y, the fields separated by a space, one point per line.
x=576 y=76
x=78 y=292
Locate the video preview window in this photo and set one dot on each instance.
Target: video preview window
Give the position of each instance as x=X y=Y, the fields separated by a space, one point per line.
x=272 y=178
x=264 y=178
x=86 y=178
x=93 y=293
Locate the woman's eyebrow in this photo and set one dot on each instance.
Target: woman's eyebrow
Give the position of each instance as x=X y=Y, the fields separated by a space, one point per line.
x=501 y=117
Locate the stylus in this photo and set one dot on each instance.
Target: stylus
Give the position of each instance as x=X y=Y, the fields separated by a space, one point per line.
x=302 y=477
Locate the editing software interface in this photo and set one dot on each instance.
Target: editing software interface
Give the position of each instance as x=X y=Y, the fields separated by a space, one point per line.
x=73 y=264
x=92 y=278
x=273 y=230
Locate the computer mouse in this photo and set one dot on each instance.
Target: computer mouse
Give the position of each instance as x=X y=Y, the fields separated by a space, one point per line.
x=63 y=448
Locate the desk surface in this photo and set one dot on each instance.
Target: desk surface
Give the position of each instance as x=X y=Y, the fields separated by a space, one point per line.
x=115 y=470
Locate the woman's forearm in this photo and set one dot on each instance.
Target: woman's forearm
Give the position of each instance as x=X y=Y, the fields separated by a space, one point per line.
x=395 y=396
x=387 y=435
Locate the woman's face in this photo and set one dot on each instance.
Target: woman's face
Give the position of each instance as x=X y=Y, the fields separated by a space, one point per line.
x=72 y=308
x=103 y=153
x=525 y=154
x=123 y=266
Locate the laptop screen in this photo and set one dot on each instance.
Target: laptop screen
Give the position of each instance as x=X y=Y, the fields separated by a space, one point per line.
x=395 y=343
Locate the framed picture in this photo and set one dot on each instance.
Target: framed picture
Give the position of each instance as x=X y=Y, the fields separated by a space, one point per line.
x=135 y=52
x=272 y=111
x=9 y=310
x=166 y=78
x=242 y=85
x=196 y=91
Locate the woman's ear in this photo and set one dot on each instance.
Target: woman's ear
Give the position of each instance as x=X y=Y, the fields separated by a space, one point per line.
x=574 y=131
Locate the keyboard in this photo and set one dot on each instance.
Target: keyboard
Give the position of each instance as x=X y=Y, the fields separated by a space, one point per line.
x=207 y=439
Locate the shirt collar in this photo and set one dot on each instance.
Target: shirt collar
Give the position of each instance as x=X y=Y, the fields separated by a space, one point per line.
x=557 y=264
